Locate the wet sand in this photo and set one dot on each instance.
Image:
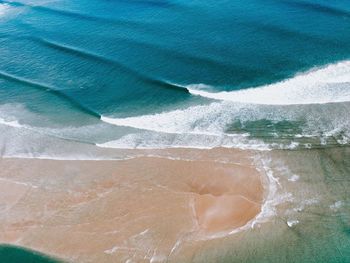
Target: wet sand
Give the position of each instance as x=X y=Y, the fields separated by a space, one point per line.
x=142 y=209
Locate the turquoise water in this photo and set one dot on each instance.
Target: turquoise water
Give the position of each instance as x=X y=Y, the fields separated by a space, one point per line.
x=64 y=64
x=272 y=76
x=12 y=254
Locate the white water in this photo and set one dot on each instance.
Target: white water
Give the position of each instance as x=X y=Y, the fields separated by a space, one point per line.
x=12 y=123
x=205 y=126
x=323 y=85
x=208 y=126
x=4 y=8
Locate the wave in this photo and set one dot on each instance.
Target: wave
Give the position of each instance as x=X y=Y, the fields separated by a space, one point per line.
x=93 y=18
x=328 y=10
x=150 y=3
x=67 y=13
x=46 y=88
x=198 y=60
x=227 y=124
x=318 y=86
x=3 y=9
x=109 y=62
x=12 y=123
x=12 y=3
x=25 y=141
x=177 y=121
x=254 y=118
x=326 y=85
x=155 y=140
x=6 y=11
x=285 y=32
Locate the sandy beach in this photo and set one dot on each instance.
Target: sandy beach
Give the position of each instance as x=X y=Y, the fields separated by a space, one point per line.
x=145 y=208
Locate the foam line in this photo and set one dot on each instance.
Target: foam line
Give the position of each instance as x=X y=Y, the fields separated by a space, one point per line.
x=330 y=84
x=323 y=85
x=177 y=121
x=14 y=123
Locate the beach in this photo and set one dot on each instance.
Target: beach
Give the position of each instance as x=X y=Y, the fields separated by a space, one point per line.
x=162 y=206
x=141 y=208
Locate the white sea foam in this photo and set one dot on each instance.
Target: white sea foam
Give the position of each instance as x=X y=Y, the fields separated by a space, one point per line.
x=209 y=126
x=294 y=178
x=26 y=142
x=328 y=84
x=155 y=140
x=274 y=196
x=305 y=203
x=336 y=205
x=4 y=8
x=292 y=223
x=211 y=119
x=318 y=86
x=11 y=123
x=7 y=11
x=177 y=121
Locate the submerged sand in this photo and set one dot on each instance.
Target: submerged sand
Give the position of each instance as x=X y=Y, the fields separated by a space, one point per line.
x=142 y=209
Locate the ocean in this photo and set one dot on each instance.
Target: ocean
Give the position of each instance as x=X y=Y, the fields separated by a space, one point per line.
x=110 y=80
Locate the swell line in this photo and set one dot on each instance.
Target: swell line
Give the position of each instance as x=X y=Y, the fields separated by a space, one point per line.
x=199 y=60
x=112 y=63
x=43 y=87
x=152 y=3
x=319 y=8
x=15 y=4
x=281 y=31
x=71 y=14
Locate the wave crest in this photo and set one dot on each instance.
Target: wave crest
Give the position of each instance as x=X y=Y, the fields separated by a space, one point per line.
x=255 y=116
x=323 y=85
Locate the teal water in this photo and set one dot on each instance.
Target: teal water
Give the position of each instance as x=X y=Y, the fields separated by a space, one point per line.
x=236 y=45
x=80 y=78
x=64 y=64
x=12 y=254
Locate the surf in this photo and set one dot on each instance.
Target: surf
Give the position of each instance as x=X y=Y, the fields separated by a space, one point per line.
x=262 y=118
x=330 y=84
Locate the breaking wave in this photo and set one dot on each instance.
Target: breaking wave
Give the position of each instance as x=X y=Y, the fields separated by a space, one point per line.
x=322 y=85
x=271 y=116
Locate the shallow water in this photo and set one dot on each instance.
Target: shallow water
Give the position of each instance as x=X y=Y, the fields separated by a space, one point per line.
x=18 y=255
x=311 y=225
